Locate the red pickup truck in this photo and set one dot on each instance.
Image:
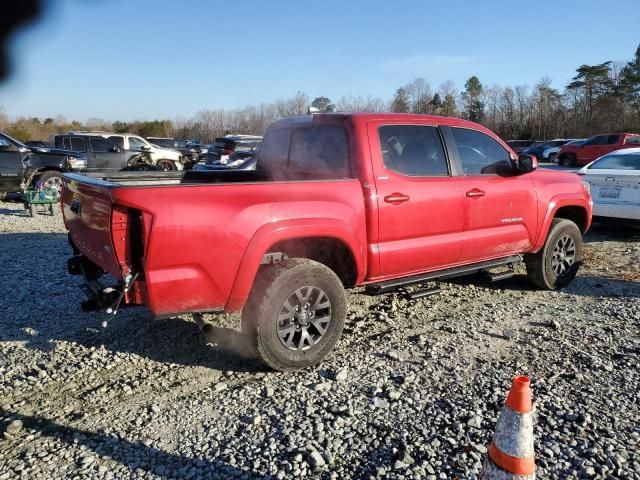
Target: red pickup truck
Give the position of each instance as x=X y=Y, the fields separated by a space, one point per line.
x=337 y=201
x=580 y=154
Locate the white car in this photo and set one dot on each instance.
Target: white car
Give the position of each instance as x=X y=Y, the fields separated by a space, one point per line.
x=550 y=154
x=614 y=180
x=162 y=158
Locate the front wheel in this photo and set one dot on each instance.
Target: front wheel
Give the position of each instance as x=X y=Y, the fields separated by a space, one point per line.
x=557 y=264
x=51 y=180
x=295 y=313
x=165 y=166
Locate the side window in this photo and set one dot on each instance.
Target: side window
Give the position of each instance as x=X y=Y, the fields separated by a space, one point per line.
x=599 y=140
x=413 y=150
x=136 y=143
x=77 y=144
x=100 y=145
x=613 y=139
x=480 y=154
x=119 y=141
x=58 y=142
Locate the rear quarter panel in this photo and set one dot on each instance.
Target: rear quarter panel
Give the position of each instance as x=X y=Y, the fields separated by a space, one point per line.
x=205 y=242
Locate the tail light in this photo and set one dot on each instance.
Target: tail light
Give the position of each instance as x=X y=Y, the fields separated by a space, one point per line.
x=128 y=239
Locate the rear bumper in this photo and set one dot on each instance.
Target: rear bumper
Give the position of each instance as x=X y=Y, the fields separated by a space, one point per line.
x=627 y=211
x=103 y=293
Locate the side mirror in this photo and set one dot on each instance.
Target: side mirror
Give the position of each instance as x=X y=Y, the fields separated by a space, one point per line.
x=527 y=163
x=144 y=148
x=114 y=149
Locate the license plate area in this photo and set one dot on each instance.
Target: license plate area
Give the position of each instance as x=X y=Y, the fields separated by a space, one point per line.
x=609 y=192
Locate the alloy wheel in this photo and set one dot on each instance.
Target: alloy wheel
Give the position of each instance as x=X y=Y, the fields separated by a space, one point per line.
x=304 y=318
x=564 y=255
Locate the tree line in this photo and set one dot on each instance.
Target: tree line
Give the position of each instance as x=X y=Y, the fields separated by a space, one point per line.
x=599 y=98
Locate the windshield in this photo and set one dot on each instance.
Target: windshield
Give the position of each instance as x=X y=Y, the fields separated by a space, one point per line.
x=13 y=140
x=180 y=143
x=162 y=142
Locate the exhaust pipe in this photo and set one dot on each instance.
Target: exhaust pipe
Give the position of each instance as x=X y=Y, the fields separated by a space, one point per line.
x=204 y=326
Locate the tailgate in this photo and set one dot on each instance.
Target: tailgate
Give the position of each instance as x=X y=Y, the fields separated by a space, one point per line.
x=616 y=188
x=86 y=206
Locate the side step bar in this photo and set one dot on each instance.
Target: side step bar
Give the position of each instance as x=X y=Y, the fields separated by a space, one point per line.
x=390 y=285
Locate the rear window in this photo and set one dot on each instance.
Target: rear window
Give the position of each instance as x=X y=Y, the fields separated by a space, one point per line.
x=632 y=140
x=617 y=162
x=318 y=151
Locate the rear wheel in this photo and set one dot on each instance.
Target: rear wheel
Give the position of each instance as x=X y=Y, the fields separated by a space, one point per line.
x=557 y=264
x=51 y=180
x=295 y=314
x=552 y=157
x=567 y=160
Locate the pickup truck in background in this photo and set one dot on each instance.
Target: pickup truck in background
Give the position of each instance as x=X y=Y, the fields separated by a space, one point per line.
x=336 y=201
x=158 y=158
x=103 y=154
x=579 y=155
x=21 y=166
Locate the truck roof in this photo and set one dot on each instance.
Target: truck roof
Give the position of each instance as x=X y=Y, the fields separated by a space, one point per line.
x=364 y=117
x=408 y=117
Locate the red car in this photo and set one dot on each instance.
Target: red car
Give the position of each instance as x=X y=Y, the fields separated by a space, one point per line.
x=337 y=201
x=578 y=155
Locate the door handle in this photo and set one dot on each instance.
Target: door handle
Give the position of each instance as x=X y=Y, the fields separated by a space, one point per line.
x=476 y=192
x=396 y=198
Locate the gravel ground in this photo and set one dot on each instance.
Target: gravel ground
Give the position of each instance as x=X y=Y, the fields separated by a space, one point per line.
x=412 y=390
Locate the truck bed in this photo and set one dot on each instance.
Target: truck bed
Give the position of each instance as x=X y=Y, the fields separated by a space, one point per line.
x=188 y=177
x=153 y=179
x=186 y=234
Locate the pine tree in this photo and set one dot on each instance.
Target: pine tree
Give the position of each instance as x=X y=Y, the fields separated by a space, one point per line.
x=630 y=85
x=400 y=103
x=472 y=99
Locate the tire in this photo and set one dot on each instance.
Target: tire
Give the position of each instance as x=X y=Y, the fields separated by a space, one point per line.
x=51 y=179
x=165 y=166
x=567 y=160
x=142 y=167
x=557 y=263
x=552 y=157
x=295 y=341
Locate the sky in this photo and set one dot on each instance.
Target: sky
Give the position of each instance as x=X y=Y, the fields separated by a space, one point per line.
x=148 y=59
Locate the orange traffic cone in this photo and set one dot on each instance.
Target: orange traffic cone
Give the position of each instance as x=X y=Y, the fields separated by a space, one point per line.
x=510 y=455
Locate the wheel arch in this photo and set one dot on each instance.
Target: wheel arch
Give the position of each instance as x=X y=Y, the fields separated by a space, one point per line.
x=330 y=243
x=568 y=207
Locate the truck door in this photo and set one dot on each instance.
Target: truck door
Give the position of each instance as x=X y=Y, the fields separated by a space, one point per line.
x=420 y=203
x=106 y=155
x=11 y=167
x=501 y=207
x=591 y=149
